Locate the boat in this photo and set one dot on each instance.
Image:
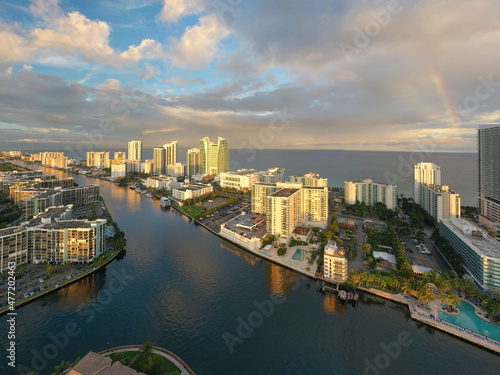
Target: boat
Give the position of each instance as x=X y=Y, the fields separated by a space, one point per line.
x=165 y=202
x=149 y=195
x=138 y=191
x=133 y=187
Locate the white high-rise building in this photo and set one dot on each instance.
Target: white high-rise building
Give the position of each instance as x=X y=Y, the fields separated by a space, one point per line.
x=440 y=202
x=214 y=157
x=310 y=179
x=98 y=159
x=288 y=204
x=158 y=160
x=135 y=150
x=273 y=175
x=425 y=173
x=120 y=155
x=193 y=162
x=334 y=263
x=241 y=179
x=370 y=192
x=170 y=153
x=118 y=170
x=176 y=170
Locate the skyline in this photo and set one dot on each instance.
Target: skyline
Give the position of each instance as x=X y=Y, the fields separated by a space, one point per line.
x=194 y=67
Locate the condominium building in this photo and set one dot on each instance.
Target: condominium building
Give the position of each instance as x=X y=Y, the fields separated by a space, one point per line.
x=479 y=251
x=46 y=182
x=148 y=166
x=118 y=170
x=241 y=179
x=193 y=162
x=370 y=192
x=287 y=205
x=190 y=191
x=135 y=150
x=161 y=182
x=310 y=179
x=488 y=147
x=98 y=160
x=134 y=166
x=120 y=155
x=214 y=157
x=260 y=192
x=76 y=195
x=273 y=175
x=170 y=153
x=158 y=160
x=314 y=205
x=440 y=202
x=335 y=263
x=54 y=159
x=425 y=173
x=176 y=170
x=283 y=211
x=53 y=237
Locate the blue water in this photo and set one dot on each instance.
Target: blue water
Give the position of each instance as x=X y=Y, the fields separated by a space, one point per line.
x=468 y=319
x=298 y=255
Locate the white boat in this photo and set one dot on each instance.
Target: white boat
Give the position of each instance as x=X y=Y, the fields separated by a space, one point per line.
x=165 y=202
x=138 y=190
x=149 y=195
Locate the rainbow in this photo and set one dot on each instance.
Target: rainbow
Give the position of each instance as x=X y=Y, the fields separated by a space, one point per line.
x=441 y=89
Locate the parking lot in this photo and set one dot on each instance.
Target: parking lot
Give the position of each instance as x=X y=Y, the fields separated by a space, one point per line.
x=433 y=260
x=36 y=280
x=225 y=214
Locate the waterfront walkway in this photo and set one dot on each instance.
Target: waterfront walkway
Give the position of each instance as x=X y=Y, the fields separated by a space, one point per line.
x=429 y=314
x=183 y=367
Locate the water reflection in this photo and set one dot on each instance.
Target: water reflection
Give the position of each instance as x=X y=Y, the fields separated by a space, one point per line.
x=279 y=280
x=333 y=305
x=77 y=294
x=252 y=259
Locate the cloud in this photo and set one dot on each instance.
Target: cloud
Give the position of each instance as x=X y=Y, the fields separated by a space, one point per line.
x=199 y=44
x=59 y=37
x=173 y=10
x=154 y=131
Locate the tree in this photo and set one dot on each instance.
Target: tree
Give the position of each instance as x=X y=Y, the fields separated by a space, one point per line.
x=449 y=298
x=62 y=367
x=366 y=249
x=147 y=348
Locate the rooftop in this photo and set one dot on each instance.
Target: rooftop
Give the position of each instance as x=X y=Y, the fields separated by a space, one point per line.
x=386 y=256
x=475 y=237
x=192 y=186
x=285 y=192
x=94 y=363
x=55 y=211
x=273 y=171
x=301 y=231
x=73 y=224
x=243 y=172
x=11 y=230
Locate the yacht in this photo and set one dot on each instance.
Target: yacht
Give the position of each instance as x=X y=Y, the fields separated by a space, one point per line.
x=165 y=202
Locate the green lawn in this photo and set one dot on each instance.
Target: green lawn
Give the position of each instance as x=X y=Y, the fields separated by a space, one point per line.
x=165 y=366
x=192 y=210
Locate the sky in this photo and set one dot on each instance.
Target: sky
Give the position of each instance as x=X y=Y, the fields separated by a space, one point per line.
x=284 y=74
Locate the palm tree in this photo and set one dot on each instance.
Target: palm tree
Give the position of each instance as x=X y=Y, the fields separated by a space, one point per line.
x=449 y=298
x=147 y=348
x=61 y=368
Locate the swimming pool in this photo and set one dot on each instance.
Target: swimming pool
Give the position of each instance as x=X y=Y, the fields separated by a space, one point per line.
x=299 y=255
x=468 y=319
